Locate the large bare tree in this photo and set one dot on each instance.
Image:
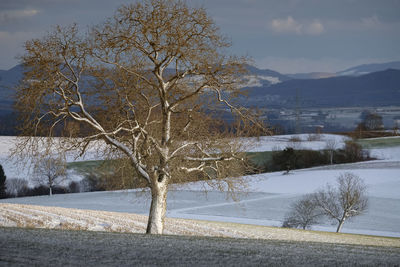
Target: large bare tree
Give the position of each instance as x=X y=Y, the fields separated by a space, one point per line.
x=148 y=82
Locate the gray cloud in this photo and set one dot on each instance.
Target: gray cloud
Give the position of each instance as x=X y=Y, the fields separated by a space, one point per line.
x=298 y=34
x=10 y=16
x=291 y=26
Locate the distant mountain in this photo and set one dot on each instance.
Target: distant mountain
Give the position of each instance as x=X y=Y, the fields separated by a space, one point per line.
x=273 y=89
x=262 y=77
x=353 y=71
x=311 y=75
x=12 y=75
x=374 y=89
x=9 y=79
x=369 y=68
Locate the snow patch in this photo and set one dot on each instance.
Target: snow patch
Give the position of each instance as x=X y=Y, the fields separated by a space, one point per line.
x=257 y=80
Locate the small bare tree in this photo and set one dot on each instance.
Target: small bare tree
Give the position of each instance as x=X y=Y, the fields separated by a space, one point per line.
x=148 y=83
x=16 y=187
x=347 y=200
x=50 y=171
x=331 y=145
x=303 y=213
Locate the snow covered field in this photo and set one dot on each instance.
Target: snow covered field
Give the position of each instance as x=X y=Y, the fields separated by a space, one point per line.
x=297 y=141
x=268 y=197
x=13 y=168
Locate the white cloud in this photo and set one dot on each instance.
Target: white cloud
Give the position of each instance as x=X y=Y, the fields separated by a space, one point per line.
x=315 y=28
x=290 y=25
x=11 y=15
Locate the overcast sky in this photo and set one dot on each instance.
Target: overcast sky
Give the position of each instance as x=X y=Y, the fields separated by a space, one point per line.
x=289 y=36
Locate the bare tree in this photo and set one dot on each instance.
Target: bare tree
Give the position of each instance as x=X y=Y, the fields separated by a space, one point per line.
x=16 y=187
x=371 y=120
x=50 y=171
x=347 y=200
x=149 y=82
x=331 y=145
x=303 y=213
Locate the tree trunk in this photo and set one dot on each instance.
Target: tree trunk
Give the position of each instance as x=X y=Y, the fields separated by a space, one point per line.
x=339 y=228
x=155 y=224
x=50 y=191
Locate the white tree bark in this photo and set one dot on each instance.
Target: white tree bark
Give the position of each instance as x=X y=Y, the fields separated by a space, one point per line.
x=158 y=208
x=341 y=222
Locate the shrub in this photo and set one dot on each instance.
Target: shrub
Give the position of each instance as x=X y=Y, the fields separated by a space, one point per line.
x=311 y=158
x=91 y=182
x=289 y=159
x=354 y=152
x=2 y=183
x=39 y=190
x=285 y=159
x=17 y=187
x=74 y=187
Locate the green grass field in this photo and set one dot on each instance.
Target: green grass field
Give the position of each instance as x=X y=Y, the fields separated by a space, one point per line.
x=85 y=166
x=260 y=158
x=379 y=142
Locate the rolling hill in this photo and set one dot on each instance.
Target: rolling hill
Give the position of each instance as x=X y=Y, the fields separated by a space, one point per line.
x=374 y=89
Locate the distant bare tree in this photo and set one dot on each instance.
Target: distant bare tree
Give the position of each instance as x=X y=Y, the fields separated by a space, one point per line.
x=347 y=200
x=50 y=171
x=303 y=213
x=354 y=151
x=331 y=146
x=16 y=187
x=148 y=83
x=371 y=120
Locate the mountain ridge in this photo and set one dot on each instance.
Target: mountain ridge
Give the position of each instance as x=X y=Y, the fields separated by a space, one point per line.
x=369 y=68
x=268 y=87
x=352 y=71
x=373 y=89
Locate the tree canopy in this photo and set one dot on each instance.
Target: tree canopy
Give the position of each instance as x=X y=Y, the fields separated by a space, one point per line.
x=151 y=83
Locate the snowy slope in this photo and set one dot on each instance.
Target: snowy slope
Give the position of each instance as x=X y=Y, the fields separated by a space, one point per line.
x=266 y=202
x=297 y=141
x=269 y=195
x=368 y=68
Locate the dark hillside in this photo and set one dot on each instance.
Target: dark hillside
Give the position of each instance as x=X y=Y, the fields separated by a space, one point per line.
x=8 y=80
x=374 y=89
